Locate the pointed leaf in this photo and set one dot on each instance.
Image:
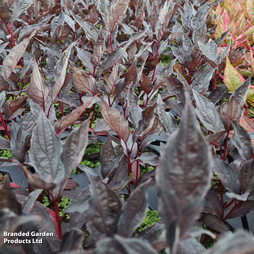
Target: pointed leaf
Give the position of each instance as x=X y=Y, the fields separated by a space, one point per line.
x=104 y=209
x=208 y=113
x=246 y=177
x=5 y=12
x=231 y=109
x=210 y=50
x=121 y=245
x=183 y=183
x=133 y=211
x=65 y=121
x=13 y=57
x=107 y=156
x=116 y=12
x=45 y=151
x=217 y=93
x=215 y=203
x=245 y=208
x=241 y=92
x=237 y=243
x=90 y=30
x=214 y=222
x=115 y=121
x=20 y=6
x=37 y=90
x=60 y=72
x=74 y=148
x=242 y=141
x=227 y=176
x=232 y=78
x=84 y=82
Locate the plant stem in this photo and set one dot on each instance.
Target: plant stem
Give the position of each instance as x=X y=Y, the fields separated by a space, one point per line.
x=58 y=219
x=155 y=63
x=5 y=126
x=90 y=125
x=225 y=147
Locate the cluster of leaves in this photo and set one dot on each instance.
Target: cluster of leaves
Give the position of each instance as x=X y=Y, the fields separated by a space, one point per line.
x=238 y=17
x=108 y=54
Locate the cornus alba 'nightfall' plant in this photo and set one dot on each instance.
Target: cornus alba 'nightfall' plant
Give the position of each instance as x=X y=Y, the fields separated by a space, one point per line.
x=126 y=72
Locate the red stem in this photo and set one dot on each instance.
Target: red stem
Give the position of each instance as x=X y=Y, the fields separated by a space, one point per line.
x=58 y=219
x=111 y=41
x=61 y=107
x=11 y=33
x=90 y=125
x=225 y=147
x=12 y=3
x=236 y=206
x=5 y=126
x=221 y=193
x=155 y=63
x=229 y=204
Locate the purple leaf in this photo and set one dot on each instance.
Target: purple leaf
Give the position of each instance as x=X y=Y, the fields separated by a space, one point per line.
x=71 y=240
x=242 y=141
x=8 y=199
x=90 y=30
x=74 y=148
x=116 y=12
x=18 y=7
x=37 y=90
x=121 y=245
x=227 y=176
x=183 y=183
x=241 y=92
x=167 y=120
x=5 y=12
x=60 y=72
x=83 y=81
x=215 y=203
x=62 y=123
x=133 y=211
x=237 y=243
x=217 y=93
x=208 y=113
x=149 y=158
x=231 y=109
x=107 y=157
x=45 y=151
x=115 y=121
x=245 y=208
x=104 y=209
x=202 y=81
x=14 y=56
x=4 y=144
x=246 y=177
x=214 y=222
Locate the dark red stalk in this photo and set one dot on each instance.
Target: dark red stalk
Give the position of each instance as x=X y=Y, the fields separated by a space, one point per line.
x=5 y=126
x=61 y=107
x=91 y=122
x=234 y=207
x=12 y=3
x=58 y=219
x=221 y=193
x=229 y=204
x=225 y=147
x=155 y=63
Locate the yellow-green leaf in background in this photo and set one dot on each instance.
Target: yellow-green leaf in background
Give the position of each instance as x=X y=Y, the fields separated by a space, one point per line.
x=250 y=96
x=250 y=7
x=232 y=78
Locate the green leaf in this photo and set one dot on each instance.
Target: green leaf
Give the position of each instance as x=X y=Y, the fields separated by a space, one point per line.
x=232 y=78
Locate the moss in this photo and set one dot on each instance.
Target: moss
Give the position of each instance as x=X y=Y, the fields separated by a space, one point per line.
x=150 y=219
